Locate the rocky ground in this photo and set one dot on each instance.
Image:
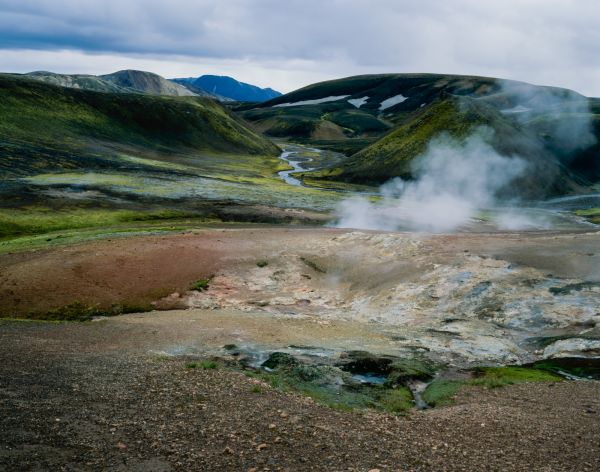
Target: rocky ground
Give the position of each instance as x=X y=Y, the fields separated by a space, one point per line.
x=77 y=397
x=116 y=393
x=463 y=298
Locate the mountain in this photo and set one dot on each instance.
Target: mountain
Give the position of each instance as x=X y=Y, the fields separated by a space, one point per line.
x=78 y=81
x=48 y=128
x=146 y=82
x=230 y=88
x=382 y=122
x=125 y=81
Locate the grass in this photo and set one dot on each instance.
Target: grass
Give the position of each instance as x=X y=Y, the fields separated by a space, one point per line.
x=591 y=214
x=201 y=285
x=441 y=392
x=494 y=377
x=324 y=384
x=35 y=112
x=31 y=221
x=81 y=312
x=396 y=400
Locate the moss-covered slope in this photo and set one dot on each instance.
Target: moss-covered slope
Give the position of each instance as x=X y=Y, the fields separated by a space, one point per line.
x=49 y=127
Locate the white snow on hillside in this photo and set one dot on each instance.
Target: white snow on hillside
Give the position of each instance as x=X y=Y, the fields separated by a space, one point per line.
x=358 y=102
x=312 y=102
x=390 y=102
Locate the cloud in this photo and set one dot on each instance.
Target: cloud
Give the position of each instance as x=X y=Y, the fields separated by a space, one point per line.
x=542 y=41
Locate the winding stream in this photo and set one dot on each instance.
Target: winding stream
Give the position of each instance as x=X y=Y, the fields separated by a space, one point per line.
x=293 y=156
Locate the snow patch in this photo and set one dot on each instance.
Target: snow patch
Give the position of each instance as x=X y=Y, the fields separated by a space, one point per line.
x=358 y=102
x=390 y=102
x=312 y=102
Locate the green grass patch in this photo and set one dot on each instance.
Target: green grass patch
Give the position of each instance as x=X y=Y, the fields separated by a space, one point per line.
x=441 y=392
x=78 y=311
x=201 y=285
x=493 y=377
x=591 y=214
x=45 y=220
x=395 y=400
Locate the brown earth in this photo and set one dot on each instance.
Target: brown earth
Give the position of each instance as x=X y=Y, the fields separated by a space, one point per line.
x=89 y=396
x=137 y=271
x=116 y=395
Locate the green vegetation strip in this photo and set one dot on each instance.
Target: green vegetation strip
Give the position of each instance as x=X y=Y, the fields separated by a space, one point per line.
x=441 y=392
x=335 y=387
x=592 y=214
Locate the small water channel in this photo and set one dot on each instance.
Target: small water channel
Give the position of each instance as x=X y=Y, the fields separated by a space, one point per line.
x=296 y=157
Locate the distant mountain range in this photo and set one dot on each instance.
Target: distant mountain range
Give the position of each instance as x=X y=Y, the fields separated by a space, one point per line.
x=221 y=88
x=229 y=87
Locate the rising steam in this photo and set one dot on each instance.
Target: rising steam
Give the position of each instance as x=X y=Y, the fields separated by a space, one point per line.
x=454 y=179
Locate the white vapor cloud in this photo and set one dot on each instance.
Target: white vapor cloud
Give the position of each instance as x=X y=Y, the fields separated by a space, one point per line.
x=290 y=44
x=453 y=180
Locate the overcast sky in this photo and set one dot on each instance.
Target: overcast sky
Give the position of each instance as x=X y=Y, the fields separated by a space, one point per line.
x=286 y=44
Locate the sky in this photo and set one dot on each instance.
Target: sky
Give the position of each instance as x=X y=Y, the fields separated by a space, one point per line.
x=286 y=44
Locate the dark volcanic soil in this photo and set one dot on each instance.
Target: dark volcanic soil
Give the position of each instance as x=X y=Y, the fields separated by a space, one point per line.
x=74 y=397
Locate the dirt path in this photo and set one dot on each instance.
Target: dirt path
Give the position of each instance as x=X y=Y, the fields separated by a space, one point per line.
x=111 y=406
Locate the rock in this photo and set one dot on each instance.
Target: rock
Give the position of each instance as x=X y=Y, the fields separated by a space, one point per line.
x=404 y=370
x=260 y=447
x=573 y=347
x=363 y=362
x=280 y=359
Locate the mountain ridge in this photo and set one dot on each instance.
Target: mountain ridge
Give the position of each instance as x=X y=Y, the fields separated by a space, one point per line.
x=229 y=87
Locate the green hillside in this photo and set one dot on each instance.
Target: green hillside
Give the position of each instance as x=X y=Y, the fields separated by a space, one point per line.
x=74 y=161
x=385 y=121
x=47 y=127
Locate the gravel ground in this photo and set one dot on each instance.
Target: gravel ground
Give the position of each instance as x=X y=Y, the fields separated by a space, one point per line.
x=112 y=407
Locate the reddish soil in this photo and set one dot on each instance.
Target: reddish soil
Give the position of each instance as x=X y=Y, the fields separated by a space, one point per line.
x=133 y=271
x=140 y=270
